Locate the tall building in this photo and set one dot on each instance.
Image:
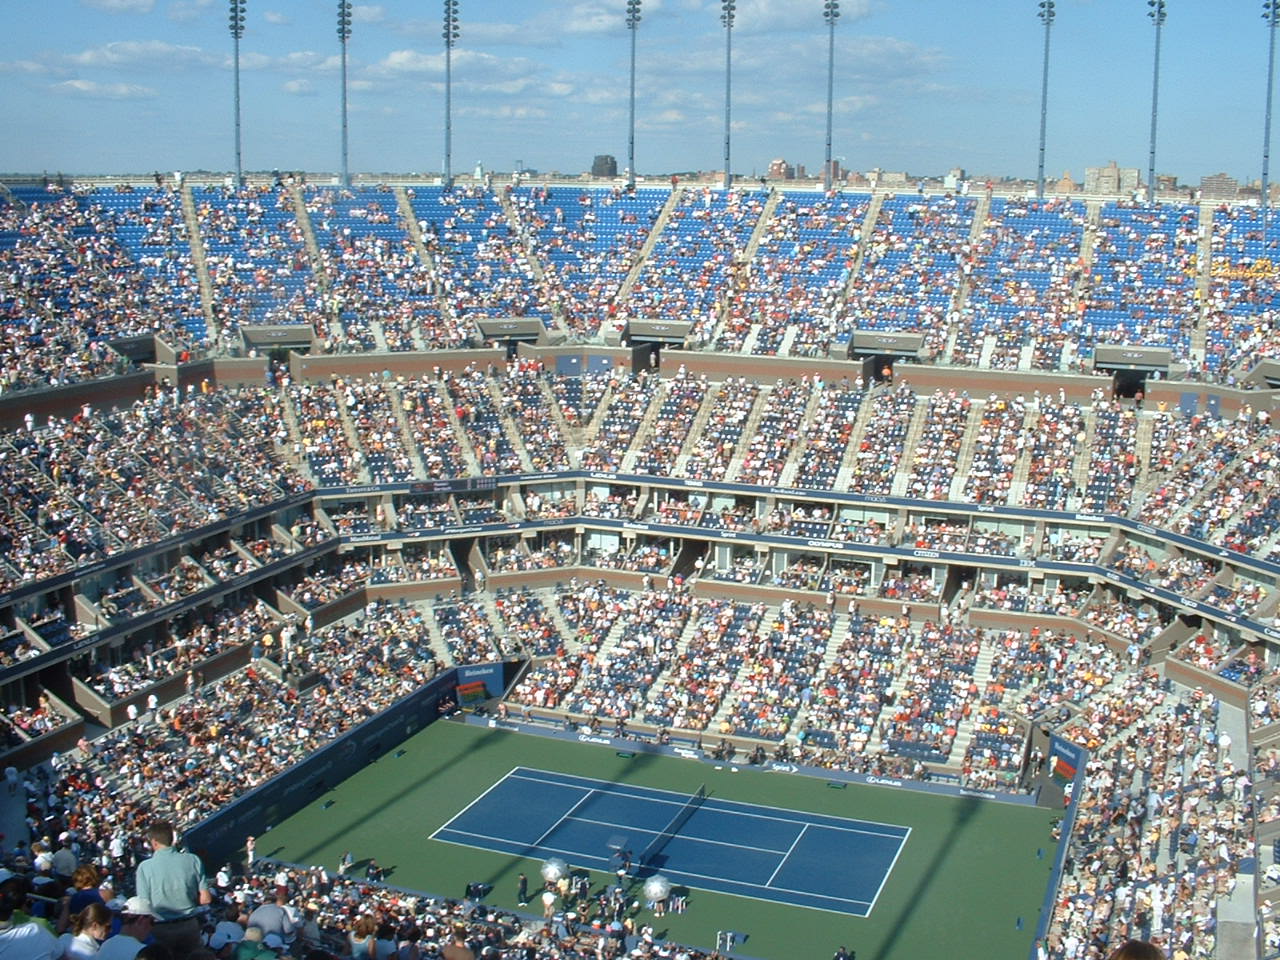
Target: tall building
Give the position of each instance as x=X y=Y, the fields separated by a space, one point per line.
x=1111 y=179
x=1219 y=186
x=604 y=165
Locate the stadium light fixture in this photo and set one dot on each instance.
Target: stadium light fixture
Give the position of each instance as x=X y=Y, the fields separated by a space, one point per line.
x=1046 y=14
x=450 y=35
x=1271 y=14
x=344 y=34
x=830 y=13
x=633 y=21
x=236 y=23
x=1156 y=11
x=728 y=10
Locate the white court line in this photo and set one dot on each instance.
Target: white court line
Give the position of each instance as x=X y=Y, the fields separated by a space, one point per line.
x=522 y=773
x=573 y=776
x=578 y=857
x=492 y=787
x=575 y=857
x=552 y=829
x=713 y=805
x=769 y=882
x=892 y=863
x=682 y=835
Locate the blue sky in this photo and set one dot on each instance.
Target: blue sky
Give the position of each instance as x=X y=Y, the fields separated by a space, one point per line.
x=922 y=85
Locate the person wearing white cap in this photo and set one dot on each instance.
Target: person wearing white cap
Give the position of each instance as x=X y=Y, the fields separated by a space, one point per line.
x=137 y=918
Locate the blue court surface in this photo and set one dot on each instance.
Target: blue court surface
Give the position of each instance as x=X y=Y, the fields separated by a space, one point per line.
x=786 y=856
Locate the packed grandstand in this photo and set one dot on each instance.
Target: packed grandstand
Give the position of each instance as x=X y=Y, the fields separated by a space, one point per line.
x=286 y=431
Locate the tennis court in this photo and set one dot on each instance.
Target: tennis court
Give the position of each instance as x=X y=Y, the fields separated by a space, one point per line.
x=785 y=856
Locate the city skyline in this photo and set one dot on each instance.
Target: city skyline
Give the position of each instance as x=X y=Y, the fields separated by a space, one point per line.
x=125 y=86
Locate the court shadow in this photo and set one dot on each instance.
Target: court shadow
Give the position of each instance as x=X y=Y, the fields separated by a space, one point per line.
x=966 y=808
x=639 y=762
x=363 y=814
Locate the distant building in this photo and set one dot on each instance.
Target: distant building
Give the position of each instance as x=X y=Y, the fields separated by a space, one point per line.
x=781 y=170
x=1066 y=184
x=837 y=172
x=1111 y=179
x=954 y=177
x=800 y=172
x=1219 y=186
x=604 y=165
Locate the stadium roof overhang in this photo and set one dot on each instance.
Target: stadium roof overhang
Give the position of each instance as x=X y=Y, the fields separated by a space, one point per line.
x=1267 y=372
x=665 y=332
x=877 y=343
x=1139 y=359
x=272 y=336
x=511 y=329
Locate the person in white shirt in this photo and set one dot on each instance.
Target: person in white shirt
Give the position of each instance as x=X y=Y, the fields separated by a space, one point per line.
x=136 y=922
x=22 y=941
x=89 y=928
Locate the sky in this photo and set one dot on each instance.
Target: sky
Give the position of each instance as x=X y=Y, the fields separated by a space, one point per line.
x=129 y=86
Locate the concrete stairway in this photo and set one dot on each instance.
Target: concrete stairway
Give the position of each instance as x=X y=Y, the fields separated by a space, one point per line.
x=902 y=476
x=650 y=242
x=191 y=218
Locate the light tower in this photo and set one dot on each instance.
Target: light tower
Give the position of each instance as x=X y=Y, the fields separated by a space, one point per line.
x=236 y=24
x=727 y=8
x=1157 y=14
x=1046 y=15
x=344 y=34
x=830 y=13
x=450 y=35
x=633 y=21
x=1271 y=14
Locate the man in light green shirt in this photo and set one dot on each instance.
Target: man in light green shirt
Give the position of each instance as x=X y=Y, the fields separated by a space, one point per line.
x=174 y=883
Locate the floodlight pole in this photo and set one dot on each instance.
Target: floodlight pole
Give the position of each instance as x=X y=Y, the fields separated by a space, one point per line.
x=726 y=18
x=236 y=24
x=830 y=13
x=1270 y=13
x=344 y=34
x=1046 y=15
x=450 y=35
x=1157 y=14
x=633 y=21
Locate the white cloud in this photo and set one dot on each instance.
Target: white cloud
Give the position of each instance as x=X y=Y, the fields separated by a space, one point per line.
x=757 y=16
x=592 y=17
x=123 y=6
x=504 y=112
x=299 y=88
x=276 y=17
x=104 y=91
x=308 y=60
x=184 y=11
x=467 y=64
x=664 y=118
x=410 y=61
x=368 y=13
x=23 y=66
x=128 y=53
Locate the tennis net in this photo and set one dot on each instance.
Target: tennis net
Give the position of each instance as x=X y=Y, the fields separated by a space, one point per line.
x=672 y=828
